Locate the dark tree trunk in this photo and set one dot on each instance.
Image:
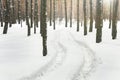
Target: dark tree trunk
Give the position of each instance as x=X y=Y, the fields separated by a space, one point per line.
x=78 y=15
x=50 y=12
x=54 y=6
x=6 y=17
x=35 y=15
x=114 y=19
x=91 y=16
x=1 y=13
x=99 y=21
x=65 y=5
x=71 y=14
x=31 y=13
x=85 y=17
x=43 y=25
x=19 y=11
x=110 y=15
x=27 y=19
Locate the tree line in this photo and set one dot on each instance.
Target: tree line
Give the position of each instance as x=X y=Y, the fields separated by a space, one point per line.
x=83 y=11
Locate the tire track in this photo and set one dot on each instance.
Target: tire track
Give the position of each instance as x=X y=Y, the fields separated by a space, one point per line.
x=89 y=61
x=54 y=63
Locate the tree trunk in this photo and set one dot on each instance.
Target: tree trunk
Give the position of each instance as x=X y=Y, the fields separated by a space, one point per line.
x=85 y=17
x=65 y=5
x=78 y=15
x=110 y=17
x=31 y=13
x=50 y=12
x=114 y=19
x=91 y=16
x=27 y=19
x=71 y=14
x=43 y=25
x=99 y=21
x=54 y=6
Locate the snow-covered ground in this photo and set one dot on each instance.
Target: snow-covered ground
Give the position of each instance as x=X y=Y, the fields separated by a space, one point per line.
x=71 y=56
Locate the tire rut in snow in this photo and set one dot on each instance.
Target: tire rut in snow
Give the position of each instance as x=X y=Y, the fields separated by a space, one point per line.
x=53 y=64
x=89 y=61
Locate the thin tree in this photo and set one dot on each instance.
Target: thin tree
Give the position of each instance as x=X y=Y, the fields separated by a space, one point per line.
x=78 y=20
x=71 y=7
x=35 y=15
x=99 y=21
x=43 y=25
x=91 y=16
x=85 y=17
x=6 y=17
x=50 y=12
x=31 y=13
x=65 y=5
x=110 y=15
x=27 y=19
x=54 y=14
x=19 y=11
x=114 y=19
x=1 y=12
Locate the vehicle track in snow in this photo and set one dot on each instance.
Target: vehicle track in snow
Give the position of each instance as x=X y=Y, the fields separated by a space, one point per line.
x=54 y=63
x=89 y=63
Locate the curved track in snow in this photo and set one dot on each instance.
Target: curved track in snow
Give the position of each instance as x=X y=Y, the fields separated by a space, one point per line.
x=75 y=64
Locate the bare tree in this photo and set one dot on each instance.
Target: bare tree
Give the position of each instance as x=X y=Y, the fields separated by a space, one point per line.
x=114 y=19
x=85 y=17
x=43 y=25
x=91 y=16
x=78 y=20
x=65 y=5
x=99 y=21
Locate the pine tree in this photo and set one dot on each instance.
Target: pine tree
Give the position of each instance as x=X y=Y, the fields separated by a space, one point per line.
x=54 y=14
x=114 y=19
x=65 y=5
x=50 y=12
x=78 y=15
x=27 y=19
x=6 y=17
x=110 y=15
x=99 y=21
x=91 y=16
x=43 y=25
x=85 y=17
x=71 y=7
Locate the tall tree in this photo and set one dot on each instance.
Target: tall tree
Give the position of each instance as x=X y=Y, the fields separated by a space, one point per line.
x=19 y=11
x=85 y=17
x=78 y=15
x=31 y=13
x=54 y=14
x=50 y=12
x=27 y=19
x=6 y=17
x=99 y=21
x=65 y=5
x=91 y=16
x=43 y=25
x=35 y=15
x=1 y=12
x=114 y=19
x=71 y=7
x=110 y=15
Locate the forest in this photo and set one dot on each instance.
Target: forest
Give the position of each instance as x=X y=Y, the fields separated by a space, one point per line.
x=59 y=39
x=83 y=11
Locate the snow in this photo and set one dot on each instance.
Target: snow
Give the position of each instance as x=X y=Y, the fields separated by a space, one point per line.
x=71 y=56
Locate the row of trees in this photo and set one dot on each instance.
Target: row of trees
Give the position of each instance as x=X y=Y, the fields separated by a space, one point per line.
x=83 y=11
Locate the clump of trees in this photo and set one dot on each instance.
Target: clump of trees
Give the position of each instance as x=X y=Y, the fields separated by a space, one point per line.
x=83 y=11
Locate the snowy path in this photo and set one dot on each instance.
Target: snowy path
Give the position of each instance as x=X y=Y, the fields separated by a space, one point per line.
x=79 y=62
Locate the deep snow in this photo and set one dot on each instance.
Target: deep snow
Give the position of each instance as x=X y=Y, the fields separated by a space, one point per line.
x=71 y=56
